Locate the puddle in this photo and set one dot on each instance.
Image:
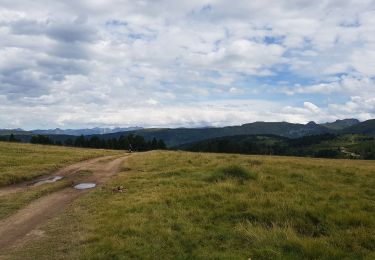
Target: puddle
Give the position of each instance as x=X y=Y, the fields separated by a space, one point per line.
x=49 y=180
x=83 y=186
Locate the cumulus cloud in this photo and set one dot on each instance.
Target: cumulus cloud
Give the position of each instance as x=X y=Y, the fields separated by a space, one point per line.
x=349 y=85
x=311 y=107
x=160 y=63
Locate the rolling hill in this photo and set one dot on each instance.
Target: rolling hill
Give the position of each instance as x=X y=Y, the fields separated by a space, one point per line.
x=366 y=128
x=174 y=137
x=323 y=146
x=341 y=124
x=178 y=136
x=7 y=132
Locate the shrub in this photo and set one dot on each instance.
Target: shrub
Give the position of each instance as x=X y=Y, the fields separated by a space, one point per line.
x=233 y=172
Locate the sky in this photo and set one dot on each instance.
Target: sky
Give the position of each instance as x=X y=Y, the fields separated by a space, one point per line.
x=167 y=63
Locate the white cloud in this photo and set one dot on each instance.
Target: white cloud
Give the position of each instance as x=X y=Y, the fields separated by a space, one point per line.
x=311 y=107
x=151 y=101
x=363 y=61
x=70 y=60
x=349 y=85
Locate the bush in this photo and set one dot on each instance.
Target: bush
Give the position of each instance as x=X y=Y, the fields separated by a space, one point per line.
x=233 y=172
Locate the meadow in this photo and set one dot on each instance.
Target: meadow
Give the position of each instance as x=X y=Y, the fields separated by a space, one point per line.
x=23 y=162
x=180 y=205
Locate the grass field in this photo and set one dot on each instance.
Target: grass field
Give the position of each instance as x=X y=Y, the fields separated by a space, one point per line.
x=181 y=205
x=22 y=162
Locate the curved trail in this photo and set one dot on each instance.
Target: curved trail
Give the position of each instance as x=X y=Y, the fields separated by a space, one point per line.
x=66 y=171
x=15 y=228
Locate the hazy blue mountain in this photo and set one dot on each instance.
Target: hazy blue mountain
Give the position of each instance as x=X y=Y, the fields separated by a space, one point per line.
x=17 y=131
x=178 y=136
x=87 y=131
x=366 y=128
x=341 y=124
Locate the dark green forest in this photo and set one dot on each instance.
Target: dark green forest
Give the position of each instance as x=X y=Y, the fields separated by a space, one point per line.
x=320 y=146
x=135 y=142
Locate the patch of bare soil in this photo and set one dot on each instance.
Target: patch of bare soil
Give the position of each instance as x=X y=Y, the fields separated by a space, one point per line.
x=21 y=226
x=66 y=171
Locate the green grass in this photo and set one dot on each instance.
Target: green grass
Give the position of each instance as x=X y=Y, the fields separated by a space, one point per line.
x=235 y=172
x=264 y=208
x=22 y=162
x=10 y=203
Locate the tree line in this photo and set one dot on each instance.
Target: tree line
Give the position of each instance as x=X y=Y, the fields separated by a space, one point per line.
x=11 y=139
x=135 y=142
x=267 y=145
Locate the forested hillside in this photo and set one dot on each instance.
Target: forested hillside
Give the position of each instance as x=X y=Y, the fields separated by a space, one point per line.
x=324 y=146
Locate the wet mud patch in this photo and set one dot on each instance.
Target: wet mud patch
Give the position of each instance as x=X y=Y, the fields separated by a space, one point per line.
x=48 y=180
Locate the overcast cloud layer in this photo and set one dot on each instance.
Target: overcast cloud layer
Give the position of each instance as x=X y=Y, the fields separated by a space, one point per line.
x=184 y=63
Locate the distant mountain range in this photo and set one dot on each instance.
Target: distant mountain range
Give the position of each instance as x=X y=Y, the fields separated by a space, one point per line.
x=90 y=131
x=341 y=124
x=365 y=128
x=174 y=137
x=73 y=132
x=17 y=131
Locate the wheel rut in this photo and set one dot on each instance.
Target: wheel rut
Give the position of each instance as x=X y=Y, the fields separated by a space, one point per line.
x=15 y=228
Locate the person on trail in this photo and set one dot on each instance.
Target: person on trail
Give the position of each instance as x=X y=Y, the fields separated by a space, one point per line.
x=130 y=148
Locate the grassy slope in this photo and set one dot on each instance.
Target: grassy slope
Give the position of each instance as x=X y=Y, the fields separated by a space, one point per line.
x=21 y=162
x=176 y=207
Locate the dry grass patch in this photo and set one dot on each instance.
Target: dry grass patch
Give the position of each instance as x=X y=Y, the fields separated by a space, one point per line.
x=296 y=208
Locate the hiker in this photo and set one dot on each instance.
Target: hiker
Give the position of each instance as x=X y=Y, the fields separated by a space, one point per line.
x=130 y=148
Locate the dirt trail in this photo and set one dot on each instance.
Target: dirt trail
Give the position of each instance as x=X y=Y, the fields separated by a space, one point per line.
x=66 y=171
x=16 y=227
